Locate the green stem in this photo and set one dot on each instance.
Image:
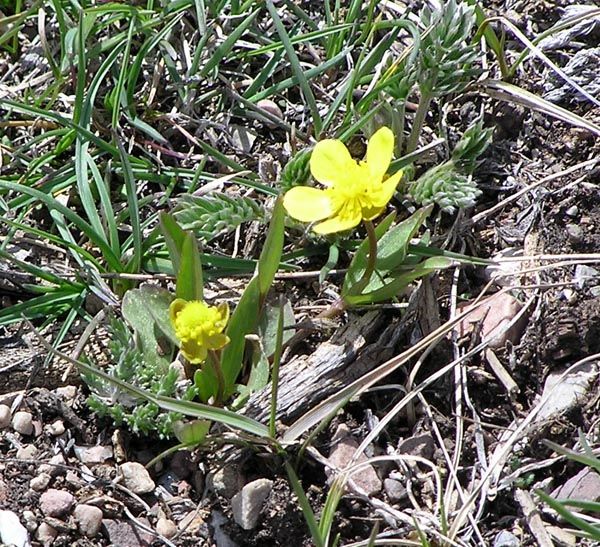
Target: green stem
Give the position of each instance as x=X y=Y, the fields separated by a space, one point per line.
x=275 y=371
x=413 y=139
x=372 y=259
x=339 y=306
x=215 y=363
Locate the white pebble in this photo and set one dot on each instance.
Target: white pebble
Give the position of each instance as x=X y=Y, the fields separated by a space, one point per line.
x=27 y=452
x=56 y=428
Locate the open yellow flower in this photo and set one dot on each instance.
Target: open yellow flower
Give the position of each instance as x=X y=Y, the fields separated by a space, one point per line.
x=354 y=190
x=199 y=327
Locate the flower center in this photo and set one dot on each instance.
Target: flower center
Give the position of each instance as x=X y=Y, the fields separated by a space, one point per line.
x=355 y=193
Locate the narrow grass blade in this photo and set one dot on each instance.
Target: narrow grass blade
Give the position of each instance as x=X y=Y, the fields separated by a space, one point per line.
x=296 y=68
x=133 y=210
x=309 y=515
x=54 y=205
x=225 y=48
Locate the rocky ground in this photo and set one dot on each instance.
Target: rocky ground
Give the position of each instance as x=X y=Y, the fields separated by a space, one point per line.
x=71 y=478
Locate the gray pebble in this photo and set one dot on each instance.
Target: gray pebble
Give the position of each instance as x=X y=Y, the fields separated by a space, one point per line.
x=4 y=416
x=574 y=233
x=56 y=503
x=89 y=519
x=166 y=528
x=27 y=452
x=136 y=478
x=22 y=422
x=46 y=534
x=40 y=483
x=247 y=504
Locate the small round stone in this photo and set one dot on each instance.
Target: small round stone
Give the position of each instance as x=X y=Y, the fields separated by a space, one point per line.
x=27 y=452
x=30 y=521
x=46 y=534
x=272 y=108
x=137 y=478
x=40 y=483
x=56 y=503
x=89 y=519
x=22 y=422
x=4 y=416
x=166 y=528
x=56 y=428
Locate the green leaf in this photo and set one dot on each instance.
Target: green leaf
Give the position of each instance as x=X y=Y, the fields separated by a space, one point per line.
x=191 y=433
x=139 y=308
x=268 y=325
x=392 y=248
x=243 y=321
x=206 y=382
x=332 y=260
x=392 y=288
x=359 y=261
x=189 y=276
x=270 y=256
x=174 y=238
x=561 y=509
x=259 y=374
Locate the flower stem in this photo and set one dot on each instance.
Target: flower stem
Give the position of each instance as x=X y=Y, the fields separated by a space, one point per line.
x=372 y=258
x=413 y=139
x=215 y=363
x=339 y=306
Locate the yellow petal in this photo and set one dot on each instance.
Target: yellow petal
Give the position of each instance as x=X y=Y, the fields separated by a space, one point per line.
x=307 y=204
x=223 y=310
x=388 y=188
x=330 y=161
x=371 y=212
x=379 y=152
x=176 y=306
x=217 y=341
x=194 y=352
x=337 y=224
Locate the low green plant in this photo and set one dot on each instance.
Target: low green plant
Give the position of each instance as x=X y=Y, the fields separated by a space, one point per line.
x=157 y=323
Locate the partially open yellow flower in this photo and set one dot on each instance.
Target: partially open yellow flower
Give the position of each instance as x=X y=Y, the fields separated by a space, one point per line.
x=199 y=327
x=354 y=190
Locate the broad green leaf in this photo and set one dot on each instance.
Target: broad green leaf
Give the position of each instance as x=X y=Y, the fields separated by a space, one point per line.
x=391 y=252
x=191 y=433
x=206 y=382
x=267 y=326
x=392 y=247
x=270 y=256
x=242 y=322
x=189 y=276
x=139 y=308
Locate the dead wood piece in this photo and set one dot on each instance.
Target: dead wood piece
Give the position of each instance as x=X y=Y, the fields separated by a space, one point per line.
x=354 y=349
x=534 y=521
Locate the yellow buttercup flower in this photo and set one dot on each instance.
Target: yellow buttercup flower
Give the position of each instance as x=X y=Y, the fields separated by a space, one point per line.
x=199 y=327
x=354 y=190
